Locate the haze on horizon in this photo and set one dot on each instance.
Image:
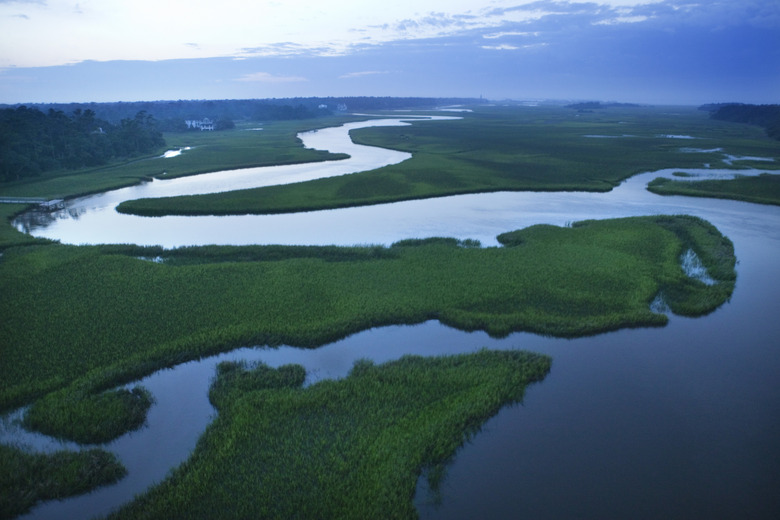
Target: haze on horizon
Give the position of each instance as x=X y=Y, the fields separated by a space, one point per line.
x=645 y=51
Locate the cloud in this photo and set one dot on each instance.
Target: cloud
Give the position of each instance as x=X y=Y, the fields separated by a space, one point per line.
x=675 y=13
x=435 y=21
x=282 y=49
x=306 y=29
x=265 y=77
x=360 y=74
x=502 y=47
x=495 y=36
x=622 y=19
x=550 y=45
x=508 y=47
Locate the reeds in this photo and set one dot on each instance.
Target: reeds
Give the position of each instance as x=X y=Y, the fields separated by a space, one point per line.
x=350 y=448
x=762 y=189
x=27 y=478
x=85 y=319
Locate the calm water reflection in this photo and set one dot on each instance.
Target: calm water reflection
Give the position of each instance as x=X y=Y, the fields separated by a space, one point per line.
x=677 y=422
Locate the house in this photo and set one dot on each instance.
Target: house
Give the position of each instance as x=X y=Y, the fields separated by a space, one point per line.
x=202 y=124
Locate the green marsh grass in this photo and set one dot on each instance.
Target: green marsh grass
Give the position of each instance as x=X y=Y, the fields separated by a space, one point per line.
x=498 y=149
x=78 y=321
x=9 y=236
x=349 y=448
x=27 y=478
x=761 y=189
x=82 y=320
x=241 y=147
x=89 y=418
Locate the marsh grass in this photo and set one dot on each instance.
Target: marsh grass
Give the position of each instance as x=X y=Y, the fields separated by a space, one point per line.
x=9 y=236
x=89 y=418
x=349 y=448
x=276 y=144
x=497 y=149
x=82 y=320
x=761 y=189
x=27 y=478
x=78 y=321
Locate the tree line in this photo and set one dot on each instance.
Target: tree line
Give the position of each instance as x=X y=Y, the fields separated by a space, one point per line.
x=766 y=116
x=171 y=115
x=33 y=142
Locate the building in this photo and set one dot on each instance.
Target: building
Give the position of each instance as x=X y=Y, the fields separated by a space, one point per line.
x=202 y=124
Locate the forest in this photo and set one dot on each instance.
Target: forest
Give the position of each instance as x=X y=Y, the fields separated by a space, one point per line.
x=33 y=142
x=766 y=116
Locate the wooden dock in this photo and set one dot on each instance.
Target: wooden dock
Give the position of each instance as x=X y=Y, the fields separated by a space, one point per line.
x=44 y=204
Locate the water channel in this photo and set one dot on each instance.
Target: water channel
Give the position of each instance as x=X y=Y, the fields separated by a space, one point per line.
x=675 y=422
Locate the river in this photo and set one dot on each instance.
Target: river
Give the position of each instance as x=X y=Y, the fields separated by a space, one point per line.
x=675 y=422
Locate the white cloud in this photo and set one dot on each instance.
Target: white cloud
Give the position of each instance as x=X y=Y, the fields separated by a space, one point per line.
x=622 y=19
x=508 y=47
x=265 y=77
x=361 y=74
x=63 y=31
x=495 y=36
x=503 y=47
x=60 y=32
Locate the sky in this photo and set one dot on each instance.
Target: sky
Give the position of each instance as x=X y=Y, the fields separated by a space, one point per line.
x=642 y=51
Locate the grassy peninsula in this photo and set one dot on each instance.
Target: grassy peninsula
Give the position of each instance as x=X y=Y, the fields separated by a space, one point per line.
x=762 y=189
x=80 y=320
x=26 y=479
x=501 y=149
x=352 y=448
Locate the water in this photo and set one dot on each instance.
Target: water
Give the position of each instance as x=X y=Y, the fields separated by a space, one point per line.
x=92 y=219
x=676 y=422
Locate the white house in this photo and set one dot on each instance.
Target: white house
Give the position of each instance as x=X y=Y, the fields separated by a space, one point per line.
x=202 y=124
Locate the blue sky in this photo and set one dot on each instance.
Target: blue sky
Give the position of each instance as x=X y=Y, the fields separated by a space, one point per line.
x=670 y=51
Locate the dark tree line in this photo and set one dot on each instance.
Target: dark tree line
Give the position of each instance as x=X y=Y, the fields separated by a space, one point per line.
x=766 y=116
x=32 y=142
x=594 y=105
x=172 y=114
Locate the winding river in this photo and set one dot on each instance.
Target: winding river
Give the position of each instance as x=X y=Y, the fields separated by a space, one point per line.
x=675 y=422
